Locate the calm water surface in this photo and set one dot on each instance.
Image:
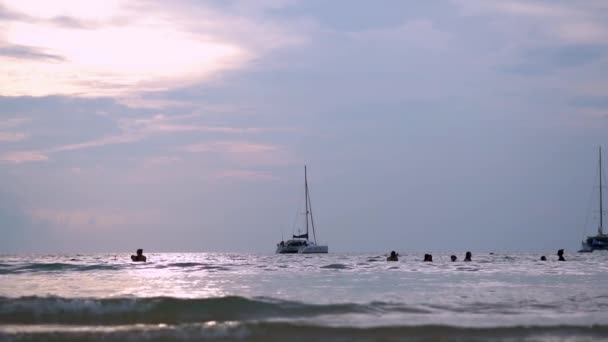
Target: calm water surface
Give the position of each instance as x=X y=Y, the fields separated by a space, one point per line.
x=347 y=297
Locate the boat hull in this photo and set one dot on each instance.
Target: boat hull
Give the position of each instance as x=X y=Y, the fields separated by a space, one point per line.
x=287 y=250
x=595 y=243
x=314 y=250
x=300 y=247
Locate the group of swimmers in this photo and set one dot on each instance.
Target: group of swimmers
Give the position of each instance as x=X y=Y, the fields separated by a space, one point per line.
x=560 y=255
x=428 y=257
x=140 y=257
x=467 y=257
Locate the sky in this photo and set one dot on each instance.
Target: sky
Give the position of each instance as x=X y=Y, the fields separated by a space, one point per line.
x=427 y=126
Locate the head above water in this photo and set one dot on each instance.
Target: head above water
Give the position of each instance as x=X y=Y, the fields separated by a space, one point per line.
x=393 y=254
x=428 y=257
x=560 y=254
x=453 y=258
x=543 y=258
x=467 y=256
x=140 y=251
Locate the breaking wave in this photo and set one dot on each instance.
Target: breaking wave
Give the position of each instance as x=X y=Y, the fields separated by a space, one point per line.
x=169 y=310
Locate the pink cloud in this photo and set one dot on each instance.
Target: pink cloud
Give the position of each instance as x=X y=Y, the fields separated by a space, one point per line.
x=19 y=157
x=12 y=137
x=13 y=122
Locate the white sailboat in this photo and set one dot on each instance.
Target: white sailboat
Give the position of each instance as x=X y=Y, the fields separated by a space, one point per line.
x=599 y=241
x=301 y=243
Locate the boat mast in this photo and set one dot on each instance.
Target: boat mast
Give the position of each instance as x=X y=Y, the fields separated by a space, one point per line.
x=312 y=220
x=601 y=228
x=309 y=208
x=306 y=200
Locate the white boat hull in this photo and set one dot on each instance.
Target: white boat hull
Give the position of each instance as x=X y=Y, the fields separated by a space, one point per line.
x=300 y=247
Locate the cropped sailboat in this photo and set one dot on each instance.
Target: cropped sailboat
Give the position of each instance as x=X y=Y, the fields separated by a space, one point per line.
x=599 y=241
x=301 y=243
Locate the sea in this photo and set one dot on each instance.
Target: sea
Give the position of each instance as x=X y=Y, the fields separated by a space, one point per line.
x=330 y=297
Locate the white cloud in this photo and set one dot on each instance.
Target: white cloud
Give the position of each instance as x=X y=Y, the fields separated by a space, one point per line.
x=123 y=47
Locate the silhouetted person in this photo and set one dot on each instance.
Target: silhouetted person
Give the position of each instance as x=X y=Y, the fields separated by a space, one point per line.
x=454 y=258
x=393 y=257
x=560 y=254
x=467 y=256
x=140 y=257
x=428 y=258
x=543 y=258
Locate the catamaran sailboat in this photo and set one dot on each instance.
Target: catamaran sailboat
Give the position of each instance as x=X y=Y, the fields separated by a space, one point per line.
x=599 y=241
x=301 y=243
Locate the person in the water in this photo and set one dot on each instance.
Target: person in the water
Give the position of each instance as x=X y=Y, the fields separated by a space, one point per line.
x=393 y=257
x=560 y=254
x=453 y=258
x=467 y=256
x=140 y=257
x=428 y=258
x=543 y=258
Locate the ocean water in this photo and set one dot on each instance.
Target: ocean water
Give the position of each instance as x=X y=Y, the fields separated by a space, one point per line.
x=333 y=297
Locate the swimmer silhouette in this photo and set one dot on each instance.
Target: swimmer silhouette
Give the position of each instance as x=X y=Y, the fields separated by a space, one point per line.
x=393 y=257
x=140 y=257
x=454 y=258
x=543 y=258
x=467 y=256
x=428 y=258
x=560 y=254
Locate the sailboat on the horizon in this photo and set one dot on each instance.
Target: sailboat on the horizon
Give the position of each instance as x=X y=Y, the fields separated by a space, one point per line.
x=301 y=243
x=599 y=241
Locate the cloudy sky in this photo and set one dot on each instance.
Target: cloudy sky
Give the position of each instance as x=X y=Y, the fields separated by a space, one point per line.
x=185 y=125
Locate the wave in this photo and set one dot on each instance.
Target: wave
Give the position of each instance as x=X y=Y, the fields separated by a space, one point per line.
x=283 y=331
x=54 y=267
x=169 y=310
x=336 y=267
x=68 y=267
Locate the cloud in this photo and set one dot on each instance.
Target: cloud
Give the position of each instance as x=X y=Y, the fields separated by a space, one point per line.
x=13 y=122
x=141 y=128
x=243 y=153
x=138 y=129
x=12 y=137
x=97 y=218
x=123 y=47
x=19 y=157
x=27 y=52
x=564 y=22
x=228 y=147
